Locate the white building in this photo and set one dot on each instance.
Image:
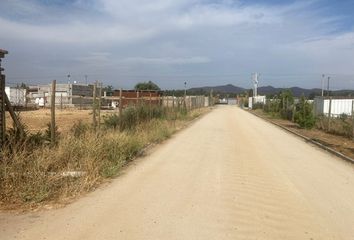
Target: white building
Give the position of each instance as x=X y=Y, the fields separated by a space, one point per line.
x=16 y=95
x=254 y=100
x=338 y=106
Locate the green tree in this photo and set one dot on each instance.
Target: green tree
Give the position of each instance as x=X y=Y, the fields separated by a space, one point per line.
x=286 y=101
x=108 y=88
x=147 y=86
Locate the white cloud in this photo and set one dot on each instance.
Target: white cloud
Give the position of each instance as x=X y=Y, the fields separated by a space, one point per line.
x=167 y=60
x=175 y=36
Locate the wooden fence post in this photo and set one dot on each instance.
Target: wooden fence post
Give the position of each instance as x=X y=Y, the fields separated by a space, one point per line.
x=99 y=105
x=2 y=108
x=329 y=114
x=94 y=93
x=120 y=102
x=150 y=110
x=120 y=107
x=61 y=101
x=52 y=108
x=173 y=101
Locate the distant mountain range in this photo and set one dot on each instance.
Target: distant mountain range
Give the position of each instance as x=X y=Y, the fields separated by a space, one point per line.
x=268 y=90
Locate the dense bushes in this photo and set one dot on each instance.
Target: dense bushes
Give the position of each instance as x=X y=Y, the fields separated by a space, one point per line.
x=135 y=115
x=304 y=114
x=283 y=106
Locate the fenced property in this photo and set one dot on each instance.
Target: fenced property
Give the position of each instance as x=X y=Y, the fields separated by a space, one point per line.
x=94 y=104
x=333 y=106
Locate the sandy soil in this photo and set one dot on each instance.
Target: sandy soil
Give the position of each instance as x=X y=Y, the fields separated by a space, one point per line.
x=38 y=119
x=230 y=175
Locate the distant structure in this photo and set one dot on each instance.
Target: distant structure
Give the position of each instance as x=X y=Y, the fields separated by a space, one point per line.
x=255 y=84
x=67 y=94
x=17 y=96
x=131 y=97
x=255 y=98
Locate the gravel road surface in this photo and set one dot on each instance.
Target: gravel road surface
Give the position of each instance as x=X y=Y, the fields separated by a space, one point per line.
x=230 y=175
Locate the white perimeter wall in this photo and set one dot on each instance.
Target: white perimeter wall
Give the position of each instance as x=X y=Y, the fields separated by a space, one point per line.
x=338 y=106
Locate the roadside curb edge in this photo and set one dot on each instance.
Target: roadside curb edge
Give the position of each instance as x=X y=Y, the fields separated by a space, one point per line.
x=307 y=139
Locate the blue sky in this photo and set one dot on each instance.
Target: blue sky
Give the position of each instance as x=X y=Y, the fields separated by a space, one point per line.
x=203 y=42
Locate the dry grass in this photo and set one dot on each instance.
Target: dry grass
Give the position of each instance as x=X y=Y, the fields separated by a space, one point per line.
x=37 y=120
x=342 y=126
x=36 y=176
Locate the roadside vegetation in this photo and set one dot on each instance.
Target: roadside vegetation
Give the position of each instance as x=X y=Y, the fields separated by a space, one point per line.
x=300 y=111
x=34 y=171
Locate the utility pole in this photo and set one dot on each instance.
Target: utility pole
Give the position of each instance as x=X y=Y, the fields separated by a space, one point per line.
x=323 y=76
x=328 y=86
x=255 y=84
x=185 y=89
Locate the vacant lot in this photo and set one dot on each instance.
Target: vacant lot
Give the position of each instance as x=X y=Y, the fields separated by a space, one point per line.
x=38 y=119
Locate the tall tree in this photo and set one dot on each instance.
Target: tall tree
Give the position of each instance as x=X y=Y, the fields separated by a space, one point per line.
x=147 y=86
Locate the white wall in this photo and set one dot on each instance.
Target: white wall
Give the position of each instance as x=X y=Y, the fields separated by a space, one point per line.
x=17 y=96
x=338 y=106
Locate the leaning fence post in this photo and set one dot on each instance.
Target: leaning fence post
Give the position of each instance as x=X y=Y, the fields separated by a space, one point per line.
x=52 y=108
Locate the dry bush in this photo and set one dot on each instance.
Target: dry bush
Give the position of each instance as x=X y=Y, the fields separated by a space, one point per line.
x=341 y=125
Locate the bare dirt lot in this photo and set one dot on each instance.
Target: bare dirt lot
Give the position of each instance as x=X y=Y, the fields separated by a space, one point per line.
x=38 y=119
x=230 y=175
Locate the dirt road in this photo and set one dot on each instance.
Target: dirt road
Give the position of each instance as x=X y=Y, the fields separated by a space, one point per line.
x=228 y=176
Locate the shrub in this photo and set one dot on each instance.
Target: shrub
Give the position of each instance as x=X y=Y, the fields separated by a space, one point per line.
x=111 y=121
x=304 y=114
x=79 y=128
